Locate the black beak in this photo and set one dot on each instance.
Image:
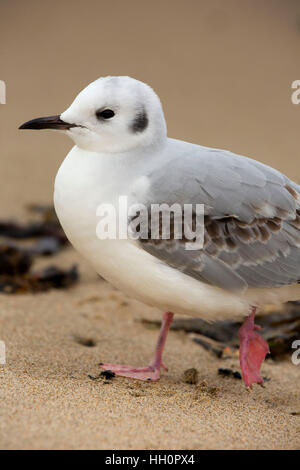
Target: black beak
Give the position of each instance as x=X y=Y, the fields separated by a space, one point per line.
x=49 y=122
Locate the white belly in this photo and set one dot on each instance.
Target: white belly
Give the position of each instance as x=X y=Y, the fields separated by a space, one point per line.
x=83 y=182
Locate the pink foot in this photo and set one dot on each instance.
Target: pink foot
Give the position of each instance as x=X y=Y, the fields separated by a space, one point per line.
x=151 y=372
x=141 y=373
x=253 y=350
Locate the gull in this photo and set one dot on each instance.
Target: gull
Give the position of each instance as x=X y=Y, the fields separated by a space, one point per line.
x=251 y=251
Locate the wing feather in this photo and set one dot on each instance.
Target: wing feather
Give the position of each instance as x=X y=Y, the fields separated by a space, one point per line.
x=252 y=218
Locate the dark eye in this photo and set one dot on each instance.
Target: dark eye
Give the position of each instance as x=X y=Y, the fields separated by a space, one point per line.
x=105 y=114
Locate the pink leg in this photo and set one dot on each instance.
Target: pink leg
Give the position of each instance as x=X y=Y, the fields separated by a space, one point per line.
x=253 y=350
x=151 y=372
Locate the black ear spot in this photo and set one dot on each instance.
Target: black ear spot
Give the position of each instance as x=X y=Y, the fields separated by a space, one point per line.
x=140 y=122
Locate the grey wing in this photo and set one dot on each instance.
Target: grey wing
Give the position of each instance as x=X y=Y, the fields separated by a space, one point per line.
x=252 y=219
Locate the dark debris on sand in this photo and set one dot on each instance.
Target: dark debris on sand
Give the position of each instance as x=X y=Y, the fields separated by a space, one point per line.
x=229 y=373
x=47 y=227
x=280 y=328
x=16 y=261
x=105 y=375
x=190 y=376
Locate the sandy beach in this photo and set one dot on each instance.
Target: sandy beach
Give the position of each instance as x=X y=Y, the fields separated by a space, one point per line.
x=230 y=70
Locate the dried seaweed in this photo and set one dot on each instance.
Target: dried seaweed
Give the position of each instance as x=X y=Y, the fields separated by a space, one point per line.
x=229 y=373
x=51 y=277
x=46 y=226
x=280 y=327
x=16 y=261
x=45 y=246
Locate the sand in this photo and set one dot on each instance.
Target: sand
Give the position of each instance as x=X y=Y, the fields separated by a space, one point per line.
x=48 y=400
x=224 y=75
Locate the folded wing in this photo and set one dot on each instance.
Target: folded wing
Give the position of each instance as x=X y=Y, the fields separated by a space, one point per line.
x=251 y=223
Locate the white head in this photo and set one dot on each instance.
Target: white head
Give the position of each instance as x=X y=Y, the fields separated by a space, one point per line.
x=112 y=114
